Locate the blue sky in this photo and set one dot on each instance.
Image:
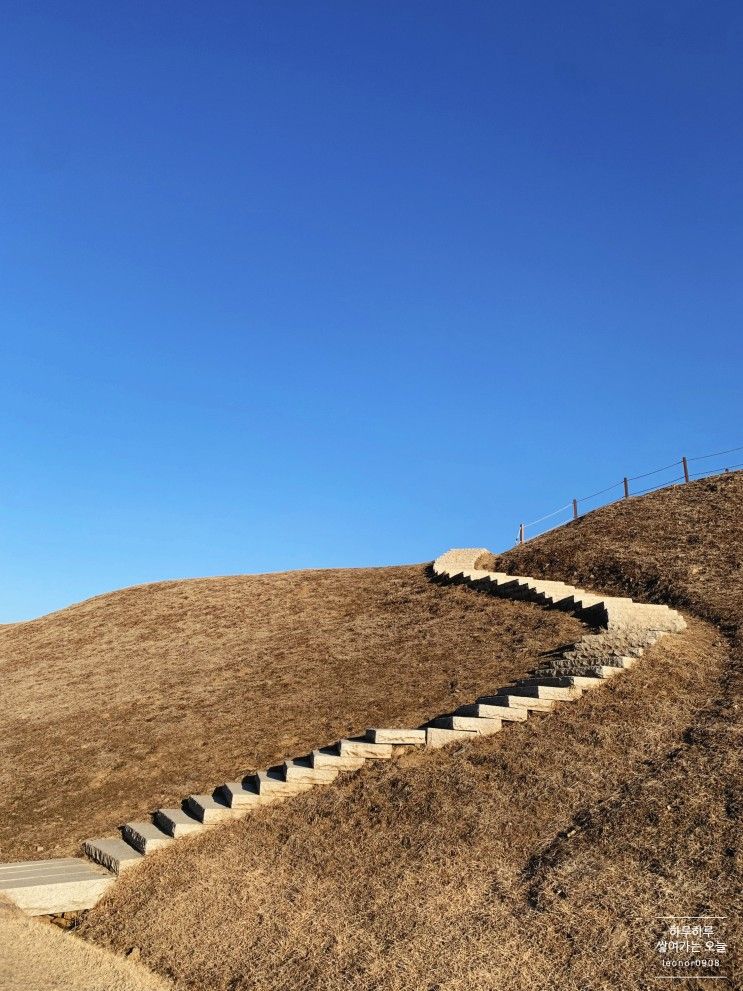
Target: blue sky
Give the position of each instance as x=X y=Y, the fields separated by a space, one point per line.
x=308 y=284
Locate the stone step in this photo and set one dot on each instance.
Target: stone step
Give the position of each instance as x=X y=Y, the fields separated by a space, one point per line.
x=210 y=809
x=145 y=836
x=544 y=692
x=552 y=593
x=48 y=887
x=624 y=661
x=578 y=602
x=473 y=724
x=475 y=574
x=593 y=615
x=398 y=737
x=112 y=852
x=359 y=747
x=329 y=757
x=272 y=782
x=587 y=600
x=601 y=659
x=489 y=578
x=177 y=822
x=437 y=737
x=497 y=576
x=18 y=868
x=303 y=771
x=514 y=587
x=515 y=714
x=597 y=671
x=550 y=586
x=512 y=701
x=564 y=681
x=240 y=795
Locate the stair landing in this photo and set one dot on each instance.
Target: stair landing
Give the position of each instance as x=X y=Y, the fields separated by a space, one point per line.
x=46 y=887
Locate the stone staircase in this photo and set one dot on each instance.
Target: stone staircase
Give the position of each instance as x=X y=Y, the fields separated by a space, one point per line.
x=621 y=630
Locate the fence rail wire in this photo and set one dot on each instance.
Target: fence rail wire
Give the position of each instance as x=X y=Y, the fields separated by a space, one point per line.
x=656 y=471
x=687 y=476
x=703 y=457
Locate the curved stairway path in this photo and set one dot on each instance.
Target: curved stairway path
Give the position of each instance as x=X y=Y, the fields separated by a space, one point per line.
x=620 y=631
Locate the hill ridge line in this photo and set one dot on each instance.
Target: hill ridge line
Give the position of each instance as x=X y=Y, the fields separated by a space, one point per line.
x=621 y=629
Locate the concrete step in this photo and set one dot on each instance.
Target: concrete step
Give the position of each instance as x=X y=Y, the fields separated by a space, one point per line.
x=302 y=770
x=398 y=737
x=112 y=852
x=210 y=809
x=544 y=692
x=359 y=747
x=512 y=701
x=330 y=757
x=473 y=724
x=47 y=887
x=240 y=795
x=437 y=737
x=177 y=822
x=145 y=836
x=482 y=711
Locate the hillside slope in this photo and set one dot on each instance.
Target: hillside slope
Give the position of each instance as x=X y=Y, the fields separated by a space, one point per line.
x=681 y=546
x=132 y=700
x=34 y=956
x=537 y=859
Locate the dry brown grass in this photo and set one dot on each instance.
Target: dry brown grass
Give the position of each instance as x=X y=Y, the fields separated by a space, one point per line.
x=35 y=956
x=536 y=859
x=448 y=870
x=681 y=546
x=132 y=700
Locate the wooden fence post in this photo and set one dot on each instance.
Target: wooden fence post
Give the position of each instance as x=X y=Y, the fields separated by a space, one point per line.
x=626 y=488
x=686 y=469
x=575 y=509
x=521 y=533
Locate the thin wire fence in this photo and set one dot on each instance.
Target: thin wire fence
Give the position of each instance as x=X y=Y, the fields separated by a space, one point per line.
x=575 y=508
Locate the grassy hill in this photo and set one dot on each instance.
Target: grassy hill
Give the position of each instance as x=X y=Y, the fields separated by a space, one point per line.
x=132 y=700
x=681 y=546
x=536 y=859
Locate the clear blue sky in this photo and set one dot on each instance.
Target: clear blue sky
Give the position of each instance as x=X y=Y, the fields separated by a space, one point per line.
x=306 y=284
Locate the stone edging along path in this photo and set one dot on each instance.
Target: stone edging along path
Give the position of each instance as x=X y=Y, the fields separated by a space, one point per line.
x=622 y=630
